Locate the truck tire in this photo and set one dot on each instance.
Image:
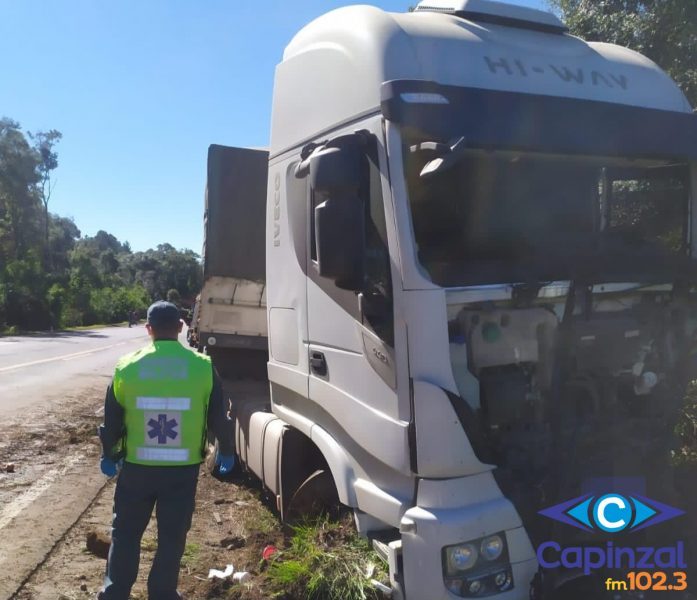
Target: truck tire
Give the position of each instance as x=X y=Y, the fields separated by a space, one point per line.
x=314 y=496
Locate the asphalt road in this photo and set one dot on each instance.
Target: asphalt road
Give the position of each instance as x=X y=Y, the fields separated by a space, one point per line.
x=40 y=368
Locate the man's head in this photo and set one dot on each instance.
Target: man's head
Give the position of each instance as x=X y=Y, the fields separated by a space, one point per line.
x=163 y=321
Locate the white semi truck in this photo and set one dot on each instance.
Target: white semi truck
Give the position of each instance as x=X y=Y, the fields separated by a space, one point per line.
x=479 y=289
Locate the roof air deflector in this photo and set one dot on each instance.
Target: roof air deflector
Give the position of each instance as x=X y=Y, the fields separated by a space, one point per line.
x=498 y=13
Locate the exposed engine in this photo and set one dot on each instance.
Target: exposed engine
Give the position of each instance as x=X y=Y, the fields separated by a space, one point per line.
x=586 y=384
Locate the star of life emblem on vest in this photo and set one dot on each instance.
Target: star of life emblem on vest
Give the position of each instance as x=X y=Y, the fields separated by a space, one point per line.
x=163 y=429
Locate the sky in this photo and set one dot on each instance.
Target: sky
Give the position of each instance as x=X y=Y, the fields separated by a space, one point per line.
x=139 y=91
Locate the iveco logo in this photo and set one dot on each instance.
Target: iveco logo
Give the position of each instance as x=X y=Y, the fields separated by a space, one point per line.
x=611 y=513
x=277 y=210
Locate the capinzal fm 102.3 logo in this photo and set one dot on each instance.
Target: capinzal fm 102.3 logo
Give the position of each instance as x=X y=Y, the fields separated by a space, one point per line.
x=611 y=513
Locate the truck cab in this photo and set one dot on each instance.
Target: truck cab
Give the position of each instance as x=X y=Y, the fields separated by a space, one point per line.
x=479 y=283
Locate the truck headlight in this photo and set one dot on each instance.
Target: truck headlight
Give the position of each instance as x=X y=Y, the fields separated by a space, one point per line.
x=492 y=547
x=461 y=558
x=478 y=568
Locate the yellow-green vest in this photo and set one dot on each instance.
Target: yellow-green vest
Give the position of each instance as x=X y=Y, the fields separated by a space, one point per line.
x=164 y=390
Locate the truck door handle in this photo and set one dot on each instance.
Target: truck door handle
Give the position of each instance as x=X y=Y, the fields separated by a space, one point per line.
x=318 y=363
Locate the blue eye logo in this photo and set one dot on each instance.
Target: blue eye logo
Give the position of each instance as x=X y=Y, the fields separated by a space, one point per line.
x=611 y=513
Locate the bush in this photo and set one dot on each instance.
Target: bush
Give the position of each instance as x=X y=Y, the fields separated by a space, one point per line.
x=112 y=305
x=24 y=294
x=78 y=306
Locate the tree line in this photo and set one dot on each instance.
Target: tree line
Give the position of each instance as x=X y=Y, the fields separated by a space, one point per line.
x=663 y=30
x=50 y=275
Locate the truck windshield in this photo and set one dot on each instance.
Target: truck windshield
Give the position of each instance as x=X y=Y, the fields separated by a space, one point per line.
x=502 y=217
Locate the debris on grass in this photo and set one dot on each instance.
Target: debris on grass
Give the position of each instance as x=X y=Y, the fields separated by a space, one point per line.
x=217 y=574
x=268 y=552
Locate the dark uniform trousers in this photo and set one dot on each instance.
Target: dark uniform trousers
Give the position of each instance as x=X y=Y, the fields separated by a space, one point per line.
x=139 y=489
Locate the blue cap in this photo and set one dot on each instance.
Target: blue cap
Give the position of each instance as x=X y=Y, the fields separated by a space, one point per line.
x=163 y=314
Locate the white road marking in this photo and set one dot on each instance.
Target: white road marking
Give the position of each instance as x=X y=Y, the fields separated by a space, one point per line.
x=63 y=357
x=17 y=505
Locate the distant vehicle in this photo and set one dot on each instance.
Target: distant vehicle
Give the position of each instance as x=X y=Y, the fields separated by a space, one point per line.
x=192 y=322
x=478 y=248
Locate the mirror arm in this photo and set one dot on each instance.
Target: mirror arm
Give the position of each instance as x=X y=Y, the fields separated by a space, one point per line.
x=302 y=169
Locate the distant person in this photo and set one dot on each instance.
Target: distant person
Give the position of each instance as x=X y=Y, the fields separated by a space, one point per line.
x=132 y=318
x=158 y=408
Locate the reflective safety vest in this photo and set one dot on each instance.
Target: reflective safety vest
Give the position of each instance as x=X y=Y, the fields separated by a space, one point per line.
x=164 y=390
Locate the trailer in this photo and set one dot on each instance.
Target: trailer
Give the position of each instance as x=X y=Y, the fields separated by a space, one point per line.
x=229 y=321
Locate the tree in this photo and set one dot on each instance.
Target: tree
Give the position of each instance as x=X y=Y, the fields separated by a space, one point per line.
x=63 y=234
x=44 y=141
x=663 y=30
x=18 y=198
x=52 y=277
x=164 y=268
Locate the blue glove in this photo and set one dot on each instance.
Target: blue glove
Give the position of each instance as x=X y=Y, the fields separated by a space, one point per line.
x=110 y=467
x=225 y=463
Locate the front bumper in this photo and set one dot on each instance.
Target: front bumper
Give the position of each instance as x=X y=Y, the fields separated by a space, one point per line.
x=425 y=531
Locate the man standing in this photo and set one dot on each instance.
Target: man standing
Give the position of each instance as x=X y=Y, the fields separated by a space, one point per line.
x=158 y=408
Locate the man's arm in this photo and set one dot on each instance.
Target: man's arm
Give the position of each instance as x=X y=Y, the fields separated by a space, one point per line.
x=218 y=423
x=112 y=431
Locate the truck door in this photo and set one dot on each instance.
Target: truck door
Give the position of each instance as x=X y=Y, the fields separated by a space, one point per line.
x=351 y=348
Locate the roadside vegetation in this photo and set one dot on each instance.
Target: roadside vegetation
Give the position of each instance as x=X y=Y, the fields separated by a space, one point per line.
x=53 y=277
x=321 y=558
x=326 y=560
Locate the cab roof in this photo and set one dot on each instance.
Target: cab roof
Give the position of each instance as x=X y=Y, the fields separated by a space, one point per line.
x=333 y=69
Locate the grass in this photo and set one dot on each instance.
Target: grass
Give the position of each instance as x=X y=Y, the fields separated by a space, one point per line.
x=148 y=544
x=326 y=560
x=191 y=551
x=261 y=520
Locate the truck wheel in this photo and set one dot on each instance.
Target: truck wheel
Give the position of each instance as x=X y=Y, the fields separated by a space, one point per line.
x=315 y=495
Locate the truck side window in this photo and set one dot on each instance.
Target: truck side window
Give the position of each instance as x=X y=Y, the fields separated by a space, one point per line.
x=650 y=206
x=378 y=279
x=313 y=242
x=377 y=287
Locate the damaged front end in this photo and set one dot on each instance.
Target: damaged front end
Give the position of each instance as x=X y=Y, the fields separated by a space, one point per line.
x=578 y=388
x=573 y=325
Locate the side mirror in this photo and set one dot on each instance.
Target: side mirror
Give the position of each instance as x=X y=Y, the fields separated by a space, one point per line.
x=340 y=238
x=338 y=177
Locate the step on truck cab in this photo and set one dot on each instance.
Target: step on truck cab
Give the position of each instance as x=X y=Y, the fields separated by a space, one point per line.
x=480 y=288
